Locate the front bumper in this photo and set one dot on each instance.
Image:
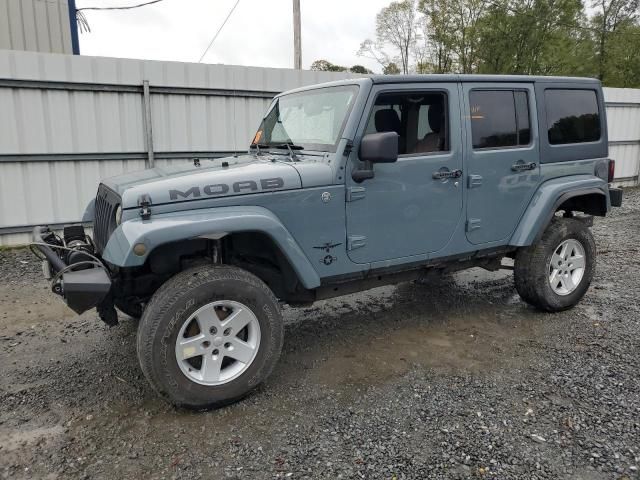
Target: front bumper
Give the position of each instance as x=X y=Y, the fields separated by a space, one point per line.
x=81 y=289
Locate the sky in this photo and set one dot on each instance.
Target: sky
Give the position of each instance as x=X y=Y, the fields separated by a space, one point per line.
x=259 y=33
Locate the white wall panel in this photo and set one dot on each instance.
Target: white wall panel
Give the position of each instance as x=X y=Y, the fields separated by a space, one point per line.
x=626 y=157
x=623 y=119
x=36 y=25
x=624 y=122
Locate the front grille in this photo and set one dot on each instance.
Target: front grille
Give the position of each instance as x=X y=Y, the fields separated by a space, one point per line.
x=104 y=222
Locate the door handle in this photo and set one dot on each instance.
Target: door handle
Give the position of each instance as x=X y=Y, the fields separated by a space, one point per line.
x=521 y=167
x=439 y=175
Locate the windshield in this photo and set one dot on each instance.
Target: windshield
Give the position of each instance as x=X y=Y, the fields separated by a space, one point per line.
x=312 y=119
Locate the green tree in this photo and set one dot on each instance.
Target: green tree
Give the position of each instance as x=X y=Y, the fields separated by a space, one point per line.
x=359 y=69
x=436 y=54
x=395 y=29
x=611 y=16
x=326 y=66
x=465 y=17
x=622 y=66
x=529 y=37
x=391 y=69
x=453 y=32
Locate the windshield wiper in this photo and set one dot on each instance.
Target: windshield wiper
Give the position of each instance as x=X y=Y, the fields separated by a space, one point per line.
x=258 y=146
x=291 y=147
x=280 y=146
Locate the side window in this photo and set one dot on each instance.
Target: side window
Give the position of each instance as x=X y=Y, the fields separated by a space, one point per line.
x=499 y=118
x=420 y=118
x=572 y=116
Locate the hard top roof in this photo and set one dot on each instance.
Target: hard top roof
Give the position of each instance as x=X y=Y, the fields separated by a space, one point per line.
x=476 y=78
x=435 y=78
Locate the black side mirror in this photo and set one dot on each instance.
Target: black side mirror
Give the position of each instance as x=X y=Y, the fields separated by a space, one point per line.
x=375 y=148
x=379 y=147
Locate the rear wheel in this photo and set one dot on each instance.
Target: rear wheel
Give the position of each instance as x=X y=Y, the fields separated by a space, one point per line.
x=209 y=336
x=555 y=273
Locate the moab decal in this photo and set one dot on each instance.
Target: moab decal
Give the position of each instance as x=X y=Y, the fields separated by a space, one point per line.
x=219 y=189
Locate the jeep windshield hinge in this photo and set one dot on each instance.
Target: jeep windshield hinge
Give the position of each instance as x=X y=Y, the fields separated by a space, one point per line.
x=144 y=202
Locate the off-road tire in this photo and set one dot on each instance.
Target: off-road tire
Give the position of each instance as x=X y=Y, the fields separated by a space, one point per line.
x=531 y=272
x=131 y=309
x=172 y=305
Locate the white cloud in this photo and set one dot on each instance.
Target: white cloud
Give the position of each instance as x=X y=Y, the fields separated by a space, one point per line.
x=259 y=33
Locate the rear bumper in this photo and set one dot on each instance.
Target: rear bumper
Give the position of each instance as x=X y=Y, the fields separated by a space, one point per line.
x=615 y=196
x=80 y=289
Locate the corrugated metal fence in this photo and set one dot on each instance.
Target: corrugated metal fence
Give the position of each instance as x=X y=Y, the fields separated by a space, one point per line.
x=36 y=25
x=623 y=118
x=68 y=121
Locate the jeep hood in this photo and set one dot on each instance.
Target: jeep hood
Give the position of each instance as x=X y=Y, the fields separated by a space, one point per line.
x=241 y=175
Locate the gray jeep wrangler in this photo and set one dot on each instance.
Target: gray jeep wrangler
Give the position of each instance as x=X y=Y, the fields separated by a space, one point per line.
x=346 y=186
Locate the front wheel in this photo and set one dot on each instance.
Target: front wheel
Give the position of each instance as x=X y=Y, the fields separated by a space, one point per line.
x=209 y=336
x=555 y=273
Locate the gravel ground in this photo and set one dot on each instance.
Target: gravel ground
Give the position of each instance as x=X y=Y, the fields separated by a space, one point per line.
x=458 y=379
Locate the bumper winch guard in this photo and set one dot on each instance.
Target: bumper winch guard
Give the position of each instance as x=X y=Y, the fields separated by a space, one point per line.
x=83 y=284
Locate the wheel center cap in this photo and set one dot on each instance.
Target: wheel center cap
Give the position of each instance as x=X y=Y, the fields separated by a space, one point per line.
x=218 y=341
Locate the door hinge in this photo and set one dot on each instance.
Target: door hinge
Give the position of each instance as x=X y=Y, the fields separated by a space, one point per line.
x=473 y=224
x=144 y=202
x=355 y=193
x=474 y=181
x=356 y=241
x=348 y=148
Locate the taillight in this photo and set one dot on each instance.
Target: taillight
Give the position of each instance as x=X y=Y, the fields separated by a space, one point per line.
x=612 y=170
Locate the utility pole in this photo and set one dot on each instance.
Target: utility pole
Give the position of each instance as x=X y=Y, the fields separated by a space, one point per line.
x=297 y=41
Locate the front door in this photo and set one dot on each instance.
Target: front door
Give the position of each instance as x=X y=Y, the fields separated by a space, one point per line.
x=502 y=167
x=406 y=210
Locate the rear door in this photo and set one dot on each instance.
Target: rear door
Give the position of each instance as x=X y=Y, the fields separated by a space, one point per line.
x=502 y=164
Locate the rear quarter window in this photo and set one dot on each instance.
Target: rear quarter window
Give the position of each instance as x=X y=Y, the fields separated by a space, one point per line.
x=572 y=116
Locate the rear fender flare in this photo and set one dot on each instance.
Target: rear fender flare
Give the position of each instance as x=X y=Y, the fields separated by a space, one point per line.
x=549 y=196
x=209 y=223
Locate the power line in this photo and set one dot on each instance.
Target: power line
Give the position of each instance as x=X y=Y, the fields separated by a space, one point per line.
x=219 y=30
x=129 y=7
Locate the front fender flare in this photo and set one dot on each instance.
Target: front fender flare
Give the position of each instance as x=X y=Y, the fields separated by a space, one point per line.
x=549 y=196
x=175 y=226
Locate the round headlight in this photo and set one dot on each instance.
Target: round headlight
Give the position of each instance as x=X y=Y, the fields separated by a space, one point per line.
x=118 y=215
